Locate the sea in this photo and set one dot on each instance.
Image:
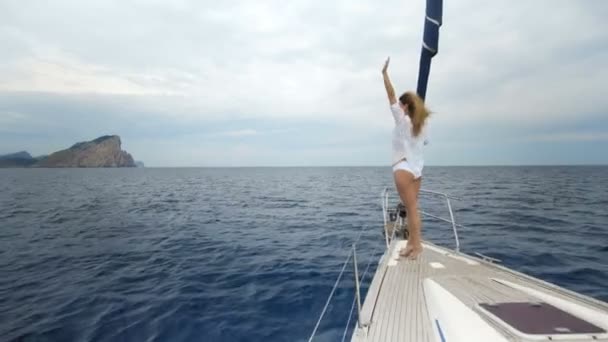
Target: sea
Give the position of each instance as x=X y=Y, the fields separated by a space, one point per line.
x=252 y=254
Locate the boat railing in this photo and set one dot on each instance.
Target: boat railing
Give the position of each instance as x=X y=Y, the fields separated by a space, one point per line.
x=451 y=220
x=352 y=255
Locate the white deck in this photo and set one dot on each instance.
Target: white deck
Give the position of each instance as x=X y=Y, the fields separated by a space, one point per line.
x=396 y=306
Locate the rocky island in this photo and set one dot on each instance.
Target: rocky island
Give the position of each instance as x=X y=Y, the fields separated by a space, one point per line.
x=104 y=151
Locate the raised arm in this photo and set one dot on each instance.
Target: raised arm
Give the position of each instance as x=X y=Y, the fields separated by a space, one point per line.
x=387 y=84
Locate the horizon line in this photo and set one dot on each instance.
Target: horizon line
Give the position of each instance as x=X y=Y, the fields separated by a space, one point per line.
x=320 y=166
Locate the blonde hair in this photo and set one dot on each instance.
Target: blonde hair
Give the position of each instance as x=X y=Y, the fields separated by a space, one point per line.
x=416 y=110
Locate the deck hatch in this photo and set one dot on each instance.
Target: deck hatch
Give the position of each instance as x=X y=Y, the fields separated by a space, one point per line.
x=540 y=319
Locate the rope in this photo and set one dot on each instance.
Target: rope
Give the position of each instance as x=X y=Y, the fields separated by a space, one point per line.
x=440 y=218
x=360 y=233
x=331 y=294
x=352 y=307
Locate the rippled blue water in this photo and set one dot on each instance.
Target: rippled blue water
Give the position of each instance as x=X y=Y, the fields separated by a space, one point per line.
x=250 y=254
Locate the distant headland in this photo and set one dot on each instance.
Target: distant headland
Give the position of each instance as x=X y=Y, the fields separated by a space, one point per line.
x=104 y=151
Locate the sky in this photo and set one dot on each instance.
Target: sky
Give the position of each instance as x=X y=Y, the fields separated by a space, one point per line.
x=298 y=83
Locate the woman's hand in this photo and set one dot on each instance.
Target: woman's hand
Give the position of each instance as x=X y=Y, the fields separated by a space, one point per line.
x=385 y=68
x=387 y=83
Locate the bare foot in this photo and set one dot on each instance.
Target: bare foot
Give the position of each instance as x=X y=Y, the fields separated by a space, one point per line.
x=411 y=250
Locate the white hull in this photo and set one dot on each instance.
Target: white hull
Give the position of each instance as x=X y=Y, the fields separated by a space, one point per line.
x=441 y=297
x=448 y=296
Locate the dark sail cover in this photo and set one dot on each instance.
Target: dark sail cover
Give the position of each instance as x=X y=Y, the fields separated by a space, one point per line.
x=430 y=42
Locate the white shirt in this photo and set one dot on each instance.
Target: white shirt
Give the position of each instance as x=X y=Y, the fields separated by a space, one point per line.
x=405 y=144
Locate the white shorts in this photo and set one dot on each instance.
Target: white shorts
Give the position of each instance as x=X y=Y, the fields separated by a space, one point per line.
x=405 y=166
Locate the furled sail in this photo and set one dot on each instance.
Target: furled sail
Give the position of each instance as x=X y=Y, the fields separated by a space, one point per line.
x=430 y=42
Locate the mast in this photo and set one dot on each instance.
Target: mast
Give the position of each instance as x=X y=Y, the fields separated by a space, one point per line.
x=430 y=43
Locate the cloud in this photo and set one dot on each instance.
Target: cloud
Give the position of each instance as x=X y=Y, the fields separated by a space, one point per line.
x=67 y=76
x=571 y=136
x=240 y=133
x=236 y=69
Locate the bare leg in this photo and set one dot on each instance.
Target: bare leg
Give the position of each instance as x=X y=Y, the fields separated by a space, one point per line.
x=408 y=189
x=418 y=183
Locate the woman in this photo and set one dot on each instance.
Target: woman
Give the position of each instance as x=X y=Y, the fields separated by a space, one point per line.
x=409 y=137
